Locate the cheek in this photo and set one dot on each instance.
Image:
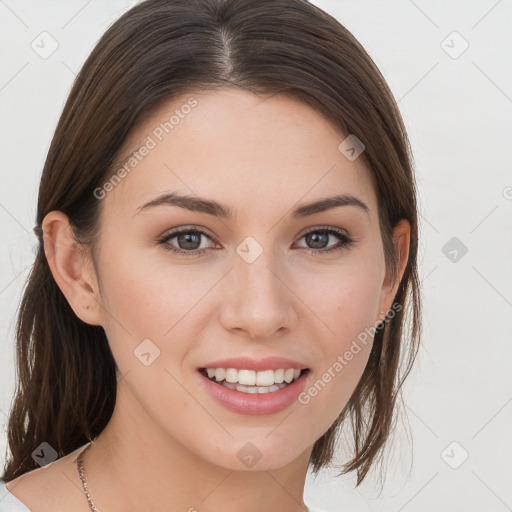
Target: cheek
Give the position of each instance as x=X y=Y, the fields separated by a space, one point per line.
x=346 y=305
x=150 y=300
x=141 y=293
x=345 y=300
x=150 y=317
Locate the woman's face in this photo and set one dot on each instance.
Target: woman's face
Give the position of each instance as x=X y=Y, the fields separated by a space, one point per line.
x=259 y=283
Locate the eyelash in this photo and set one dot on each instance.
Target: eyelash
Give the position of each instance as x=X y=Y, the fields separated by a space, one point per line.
x=345 y=240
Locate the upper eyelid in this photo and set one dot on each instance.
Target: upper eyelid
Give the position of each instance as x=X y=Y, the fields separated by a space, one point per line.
x=206 y=232
x=186 y=229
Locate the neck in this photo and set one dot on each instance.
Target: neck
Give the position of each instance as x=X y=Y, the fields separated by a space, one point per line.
x=134 y=465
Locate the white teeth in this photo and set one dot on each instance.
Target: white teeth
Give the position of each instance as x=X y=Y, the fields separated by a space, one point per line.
x=279 y=376
x=231 y=375
x=254 y=389
x=247 y=377
x=265 y=378
x=288 y=375
x=220 y=373
x=244 y=377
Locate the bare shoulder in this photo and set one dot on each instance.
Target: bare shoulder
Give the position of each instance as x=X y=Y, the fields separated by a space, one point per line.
x=55 y=487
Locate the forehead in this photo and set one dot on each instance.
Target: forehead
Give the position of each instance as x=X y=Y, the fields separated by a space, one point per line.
x=239 y=148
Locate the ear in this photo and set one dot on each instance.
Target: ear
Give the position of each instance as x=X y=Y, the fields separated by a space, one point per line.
x=71 y=268
x=401 y=243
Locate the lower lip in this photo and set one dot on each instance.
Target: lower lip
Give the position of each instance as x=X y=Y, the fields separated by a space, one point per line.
x=255 y=404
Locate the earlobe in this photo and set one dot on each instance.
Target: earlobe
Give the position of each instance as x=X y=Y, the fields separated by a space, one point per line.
x=67 y=263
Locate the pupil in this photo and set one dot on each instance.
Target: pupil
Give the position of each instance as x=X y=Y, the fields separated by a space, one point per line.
x=189 y=243
x=315 y=238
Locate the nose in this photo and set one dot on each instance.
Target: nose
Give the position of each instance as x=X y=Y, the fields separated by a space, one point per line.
x=257 y=299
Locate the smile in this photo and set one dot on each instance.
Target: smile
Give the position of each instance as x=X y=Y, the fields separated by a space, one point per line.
x=250 y=381
x=254 y=399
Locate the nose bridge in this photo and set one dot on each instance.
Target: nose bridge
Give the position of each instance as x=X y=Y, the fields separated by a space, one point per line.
x=259 y=301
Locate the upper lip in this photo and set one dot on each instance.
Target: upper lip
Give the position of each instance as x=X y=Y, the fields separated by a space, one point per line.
x=246 y=363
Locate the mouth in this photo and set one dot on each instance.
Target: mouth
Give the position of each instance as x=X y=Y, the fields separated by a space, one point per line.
x=250 y=381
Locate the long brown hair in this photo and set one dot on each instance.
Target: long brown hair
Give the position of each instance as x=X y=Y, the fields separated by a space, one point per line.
x=66 y=374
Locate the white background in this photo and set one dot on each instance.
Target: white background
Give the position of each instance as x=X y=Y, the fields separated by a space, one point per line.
x=458 y=112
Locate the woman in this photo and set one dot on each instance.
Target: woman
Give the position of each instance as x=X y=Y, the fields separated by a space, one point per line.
x=228 y=238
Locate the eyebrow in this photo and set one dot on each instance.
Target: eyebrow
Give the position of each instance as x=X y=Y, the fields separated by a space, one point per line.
x=211 y=207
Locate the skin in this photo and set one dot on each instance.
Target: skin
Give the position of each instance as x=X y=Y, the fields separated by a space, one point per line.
x=261 y=156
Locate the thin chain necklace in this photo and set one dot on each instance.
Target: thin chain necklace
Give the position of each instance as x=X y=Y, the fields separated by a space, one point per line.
x=83 y=477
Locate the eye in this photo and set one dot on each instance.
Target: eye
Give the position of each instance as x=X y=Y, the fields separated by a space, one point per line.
x=189 y=244
x=319 y=238
x=188 y=240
